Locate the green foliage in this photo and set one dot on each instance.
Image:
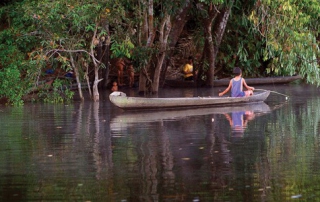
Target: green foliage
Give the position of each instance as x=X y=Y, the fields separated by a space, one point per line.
x=290 y=29
x=10 y=85
x=36 y=34
x=122 y=49
x=140 y=56
x=242 y=46
x=60 y=93
x=11 y=66
x=42 y=33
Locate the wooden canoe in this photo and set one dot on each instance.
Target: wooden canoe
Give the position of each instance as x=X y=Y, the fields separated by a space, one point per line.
x=121 y=100
x=225 y=82
x=150 y=116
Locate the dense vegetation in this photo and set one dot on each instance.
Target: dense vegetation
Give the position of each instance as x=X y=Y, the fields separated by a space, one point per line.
x=41 y=39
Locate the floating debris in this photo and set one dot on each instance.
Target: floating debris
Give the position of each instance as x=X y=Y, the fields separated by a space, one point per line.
x=196 y=199
x=297 y=196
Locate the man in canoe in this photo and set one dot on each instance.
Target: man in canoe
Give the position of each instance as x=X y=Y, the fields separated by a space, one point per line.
x=188 y=69
x=236 y=85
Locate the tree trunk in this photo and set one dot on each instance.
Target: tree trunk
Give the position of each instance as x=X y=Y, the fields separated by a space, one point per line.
x=201 y=71
x=210 y=48
x=163 y=38
x=146 y=85
x=95 y=89
x=86 y=65
x=213 y=39
x=144 y=80
x=177 y=27
x=106 y=57
x=76 y=73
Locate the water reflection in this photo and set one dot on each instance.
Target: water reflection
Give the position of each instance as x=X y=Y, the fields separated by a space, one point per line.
x=238 y=121
x=190 y=146
x=96 y=152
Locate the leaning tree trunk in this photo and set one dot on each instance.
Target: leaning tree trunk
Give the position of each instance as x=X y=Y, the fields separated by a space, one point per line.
x=210 y=49
x=95 y=89
x=106 y=62
x=163 y=38
x=144 y=78
x=104 y=58
x=213 y=39
x=177 y=27
x=86 y=65
x=95 y=84
x=76 y=73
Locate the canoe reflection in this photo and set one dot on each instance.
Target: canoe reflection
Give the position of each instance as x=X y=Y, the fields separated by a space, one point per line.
x=136 y=117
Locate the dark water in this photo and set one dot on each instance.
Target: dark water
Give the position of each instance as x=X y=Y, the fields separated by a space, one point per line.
x=97 y=152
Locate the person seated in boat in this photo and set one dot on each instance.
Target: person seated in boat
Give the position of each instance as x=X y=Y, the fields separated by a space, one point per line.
x=130 y=71
x=114 y=86
x=120 y=64
x=236 y=85
x=188 y=69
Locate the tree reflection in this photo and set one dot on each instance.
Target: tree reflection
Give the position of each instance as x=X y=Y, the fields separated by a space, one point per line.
x=220 y=157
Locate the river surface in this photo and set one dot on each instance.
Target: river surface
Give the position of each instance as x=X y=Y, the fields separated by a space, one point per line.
x=97 y=152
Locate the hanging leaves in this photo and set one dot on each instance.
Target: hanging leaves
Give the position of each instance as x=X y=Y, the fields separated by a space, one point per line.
x=122 y=49
x=288 y=28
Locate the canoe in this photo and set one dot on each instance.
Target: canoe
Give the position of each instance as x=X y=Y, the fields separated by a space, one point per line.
x=225 y=82
x=150 y=116
x=121 y=100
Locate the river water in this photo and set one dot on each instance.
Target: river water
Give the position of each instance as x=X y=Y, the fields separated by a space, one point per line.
x=97 y=152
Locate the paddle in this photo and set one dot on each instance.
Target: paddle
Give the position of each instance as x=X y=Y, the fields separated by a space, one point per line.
x=274 y=92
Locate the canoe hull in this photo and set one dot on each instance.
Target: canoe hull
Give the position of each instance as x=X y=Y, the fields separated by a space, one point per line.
x=122 y=101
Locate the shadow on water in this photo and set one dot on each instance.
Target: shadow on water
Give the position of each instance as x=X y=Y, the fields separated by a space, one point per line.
x=97 y=152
